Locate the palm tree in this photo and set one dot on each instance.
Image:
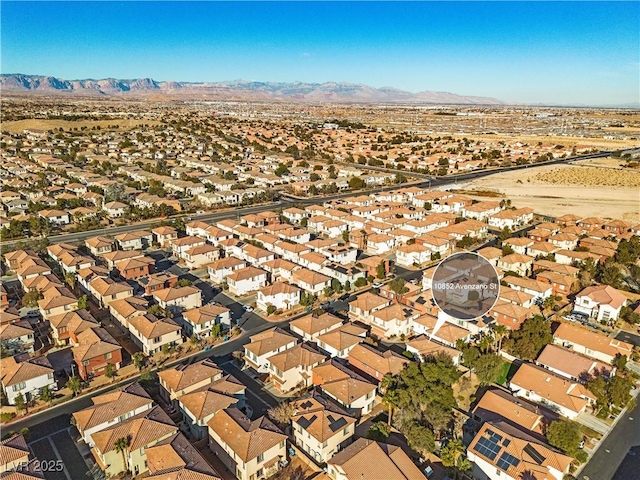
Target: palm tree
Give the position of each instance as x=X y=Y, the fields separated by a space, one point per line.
x=138 y=360
x=500 y=331
x=70 y=279
x=485 y=343
x=121 y=445
x=386 y=383
x=75 y=385
x=390 y=399
x=453 y=456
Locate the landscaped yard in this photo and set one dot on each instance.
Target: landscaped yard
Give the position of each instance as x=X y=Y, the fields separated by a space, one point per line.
x=502 y=378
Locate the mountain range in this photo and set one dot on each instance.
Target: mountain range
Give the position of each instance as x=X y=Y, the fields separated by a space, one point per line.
x=236 y=90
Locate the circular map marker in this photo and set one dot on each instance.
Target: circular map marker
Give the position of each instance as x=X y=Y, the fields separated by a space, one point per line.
x=465 y=285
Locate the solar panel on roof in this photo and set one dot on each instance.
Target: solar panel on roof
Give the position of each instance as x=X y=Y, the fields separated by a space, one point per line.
x=487 y=447
x=304 y=422
x=533 y=453
x=506 y=460
x=506 y=442
x=337 y=424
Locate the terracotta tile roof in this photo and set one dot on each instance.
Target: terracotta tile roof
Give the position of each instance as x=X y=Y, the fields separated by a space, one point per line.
x=368 y=301
x=301 y=355
x=552 y=387
x=311 y=324
x=181 y=377
x=532 y=458
x=94 y=342
x=204 y=314
x=375 y=460
x=246 y=438
x=269 y=341
x=381 y=362
x=14 y=371
x=206 y=401
x=309 y=277
x=246 y=273
x=12 y=449
x=142 y=430
x=107 y=286
x=344 y=337
x=279 y=288
x=569 y=362
x=320 y=418
x=498 y=405
x=604 y=295
x=173 y=293
x=15 y=330
x=348 y=390
x=595 y=341
x=177 y=459
x=226 y=262
x=426 y=347
x=112 y=405
x=126 y=307
x=152 y=327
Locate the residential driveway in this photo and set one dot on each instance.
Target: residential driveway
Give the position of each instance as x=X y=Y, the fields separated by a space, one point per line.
x=592 y=422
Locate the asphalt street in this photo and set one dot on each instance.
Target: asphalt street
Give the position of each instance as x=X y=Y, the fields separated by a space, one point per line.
x=617 y=458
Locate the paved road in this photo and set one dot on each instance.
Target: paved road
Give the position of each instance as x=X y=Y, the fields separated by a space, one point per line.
x=614 y=450
x=629 y=337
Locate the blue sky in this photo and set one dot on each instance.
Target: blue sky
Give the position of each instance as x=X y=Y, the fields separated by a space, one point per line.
x=562 y=52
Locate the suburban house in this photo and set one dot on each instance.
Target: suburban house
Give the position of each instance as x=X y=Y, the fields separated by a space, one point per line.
x=94 y=349
x=26 y=377
x=57 y=300
x=292 y=368
x=200 y=321
x=176 y=458
x=142 y=431
x=539 y=385
x=134 y=240
x=591 y=343
x=516 y=262
x=197 y=257
x=251 y=449
x=105 y=290
x=422 y=347
x=392 y=321
x=220 y=269
x=151 y=334
x=340 y=341
x=601 y=302
x=157 y=281
x=179 y=299
x=181 y=245
x=15 y=456
x=114 y=209
x=133 y=268
x=500 y=452
x=310 y=281
x=164 y=236
x=414 y=254
x=110 y=408
x=561 y=284
x=321 y=428
x=17 y=337
x=280 y=295
x=511 y=315
x=345 y=386
x=56 y=217
x=374 y=363
x=199 y=406
x=265 y=345
x=183 y=379
x=67 y=326
x=363 y=307
x=537 y=289
x=368 y=459
x=311 y=326
x=246 y=280
x=570 y=364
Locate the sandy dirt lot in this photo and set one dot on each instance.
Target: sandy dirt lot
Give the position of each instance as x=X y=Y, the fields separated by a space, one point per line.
x=598 y=188
x=19 y=126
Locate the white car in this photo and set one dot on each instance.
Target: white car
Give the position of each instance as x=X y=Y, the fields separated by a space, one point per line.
x=377 y=285
x=248 y=308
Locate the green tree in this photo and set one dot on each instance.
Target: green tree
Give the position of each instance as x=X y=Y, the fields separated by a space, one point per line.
x=157 y=311
x=398 y=286
x=70 y=279
x=360 y=282
x=565 y=435
x=184 y=282
x=122 y=445
x=281 y=414
x=530 y=338
x=46 y=395
x=347 y=286
x=618 y=390
x=83 y=302
x=30 y=299
x=271 y=309
x=111 y=372
x=609 y=273
x=379 y=432
x=281 y=170
x=488 y=368
x=138 y=360
x=75 y=385
x=390 y=399
x=345 y=236
x=453 y=456
x=356 y=183
x=20 y=403
x=336 y=286
x=500 y=331
x=380 y=271
x=620 y=362
x=420 y=438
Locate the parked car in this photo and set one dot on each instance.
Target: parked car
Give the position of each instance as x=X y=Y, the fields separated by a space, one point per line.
x=377 y=285
x=248 y=308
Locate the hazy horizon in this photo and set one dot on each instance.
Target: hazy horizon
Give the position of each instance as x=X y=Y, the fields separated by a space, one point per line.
x=564 y=53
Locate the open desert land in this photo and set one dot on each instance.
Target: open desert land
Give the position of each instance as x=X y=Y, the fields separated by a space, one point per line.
x=19 y=126
x=598 y=188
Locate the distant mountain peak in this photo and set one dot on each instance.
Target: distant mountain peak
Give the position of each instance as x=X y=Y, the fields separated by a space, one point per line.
x=238 y=90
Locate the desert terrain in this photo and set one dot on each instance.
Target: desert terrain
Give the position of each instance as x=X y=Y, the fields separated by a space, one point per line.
x=599 y=188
